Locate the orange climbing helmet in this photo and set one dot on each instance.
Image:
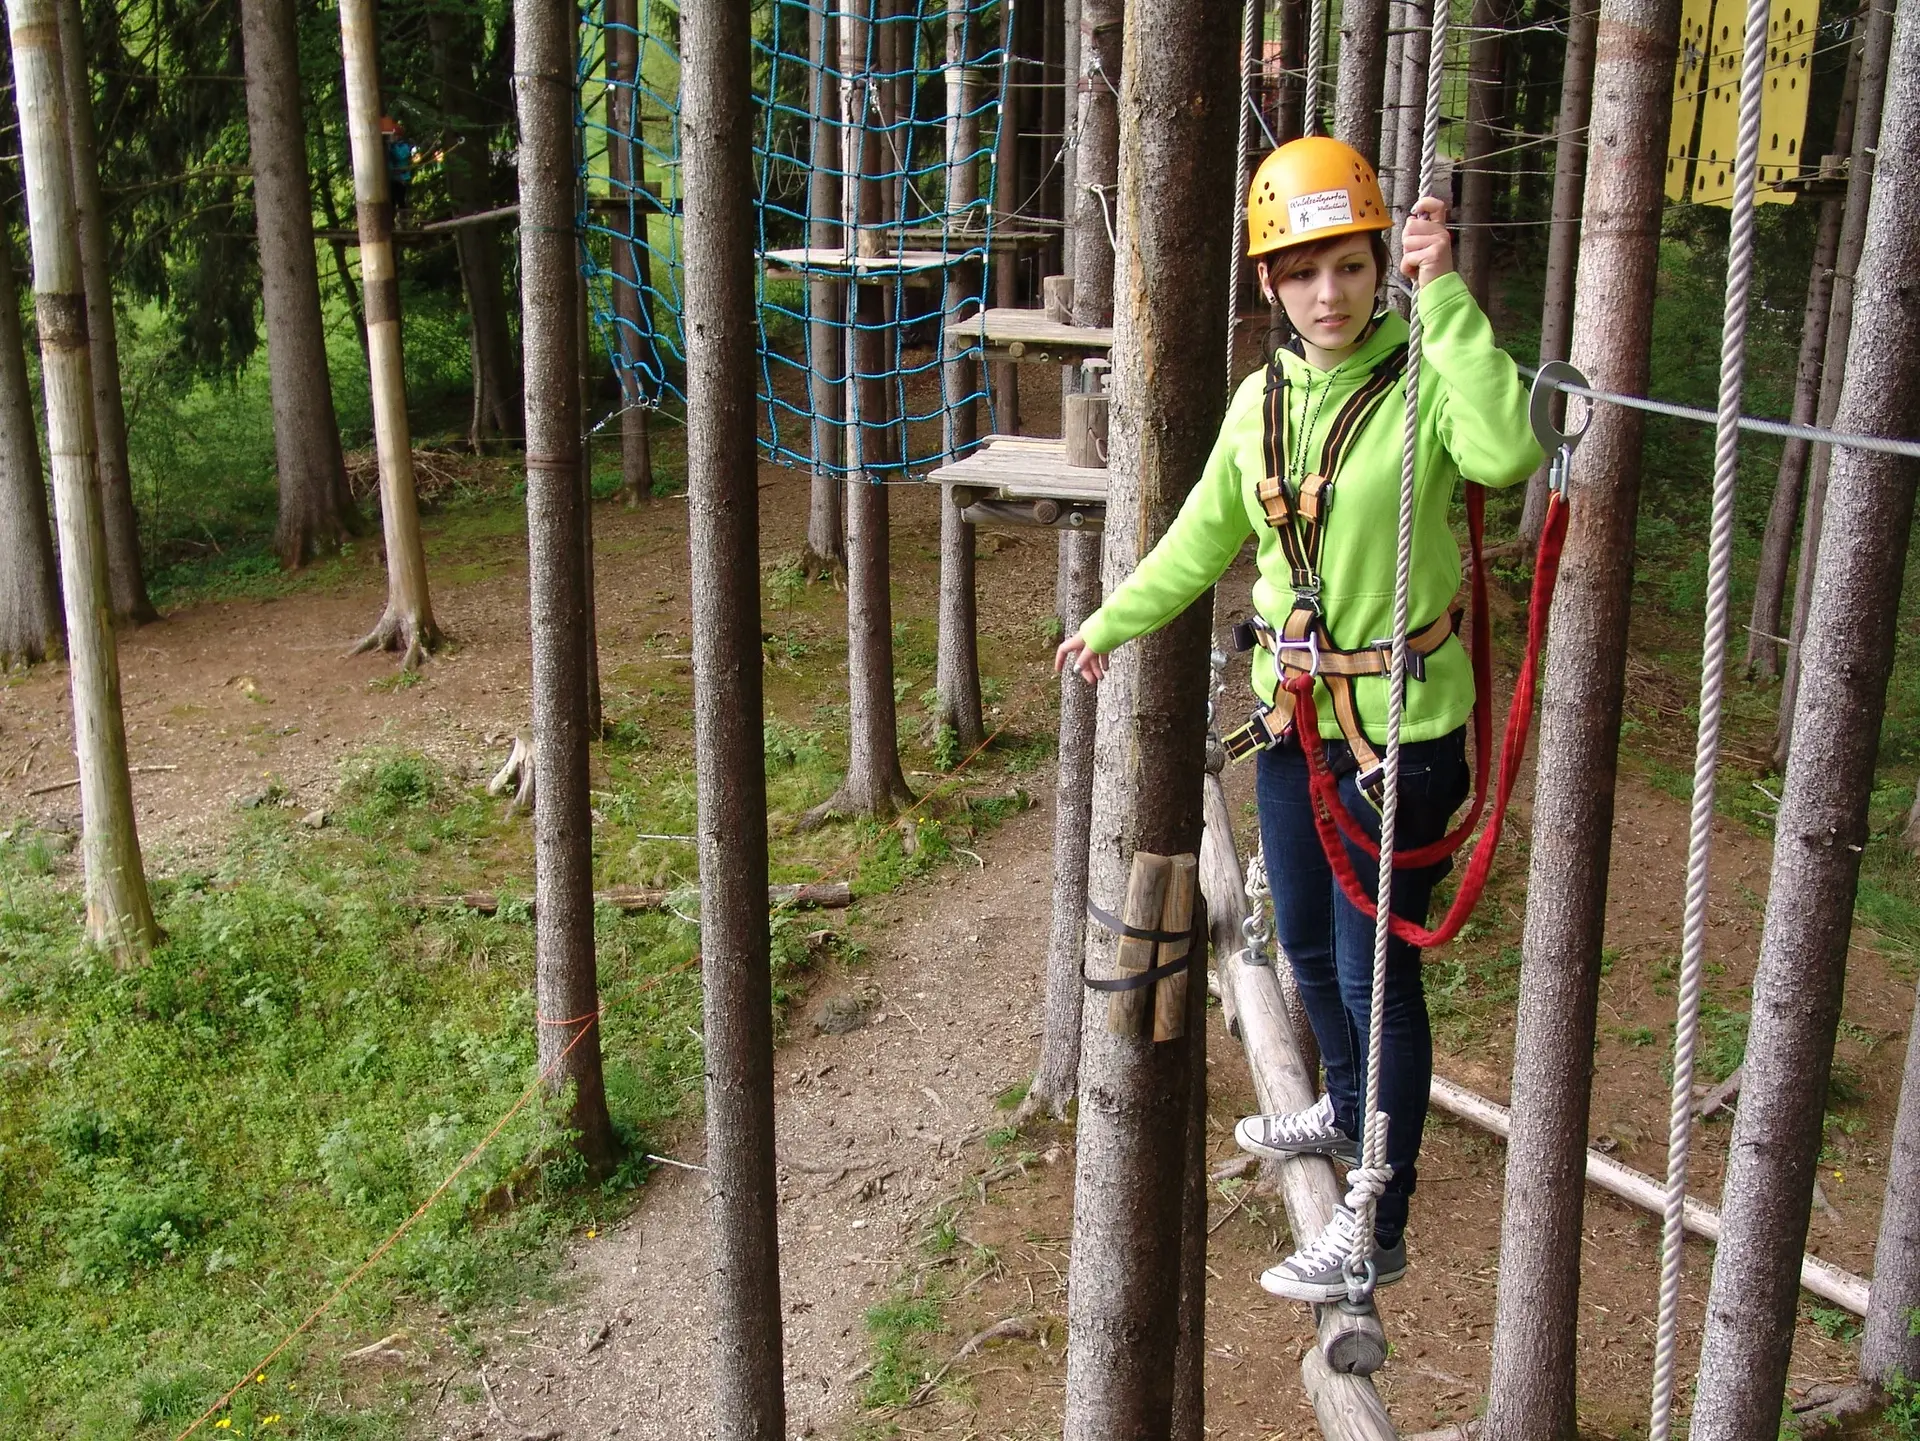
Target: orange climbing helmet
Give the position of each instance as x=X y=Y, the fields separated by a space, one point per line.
x=1312 y=190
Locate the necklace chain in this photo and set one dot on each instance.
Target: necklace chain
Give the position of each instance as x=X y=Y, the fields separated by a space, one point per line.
x=1303 y=438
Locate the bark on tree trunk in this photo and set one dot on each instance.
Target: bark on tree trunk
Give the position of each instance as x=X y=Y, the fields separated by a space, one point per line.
x=1822 y=827
x=1169 y=386
x=1484 y=112
x=1563 y=236
x=1888 y=1346
x=316 y=508
x=408 y=625
x=1875 y=44
x=723 y=503
x=826 y=299
x=1823 y=818
x=1293 y=42
x=957 y=668
x=1389 y=130
x=566 y=986
x=126 y=577
x=1413 y=106
x=1361 y=82
x=1190 y=1346
x=468 y=167
x=31 y=628
x=874 y=785
x=1004 y=266
x=1531 y=1392
x=119 y=912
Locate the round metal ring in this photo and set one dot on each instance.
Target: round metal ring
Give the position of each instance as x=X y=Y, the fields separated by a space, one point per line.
x=1554 y=376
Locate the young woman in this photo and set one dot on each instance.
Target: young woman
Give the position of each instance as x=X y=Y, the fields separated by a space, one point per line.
x=1326 y=421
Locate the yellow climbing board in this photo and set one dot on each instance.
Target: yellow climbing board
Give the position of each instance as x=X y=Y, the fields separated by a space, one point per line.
x=1708 y=77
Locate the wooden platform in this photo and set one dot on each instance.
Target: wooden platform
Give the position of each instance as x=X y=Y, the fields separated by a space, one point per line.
x=1025 y=480
x=832 y=261
x=1028 y=335
x=1001 y=240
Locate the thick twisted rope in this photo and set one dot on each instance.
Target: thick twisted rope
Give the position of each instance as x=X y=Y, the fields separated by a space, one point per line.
x=1367 y=1180
x=1249 y=57
x=1713 y=658
x=1255 y=929
x=1316 y=62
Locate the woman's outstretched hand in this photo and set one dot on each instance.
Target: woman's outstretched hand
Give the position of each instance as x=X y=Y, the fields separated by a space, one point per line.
x=1073 y=651
x=1427 y=251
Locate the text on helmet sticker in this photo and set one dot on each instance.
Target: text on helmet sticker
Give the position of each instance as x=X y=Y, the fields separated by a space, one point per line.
x=1319 y=210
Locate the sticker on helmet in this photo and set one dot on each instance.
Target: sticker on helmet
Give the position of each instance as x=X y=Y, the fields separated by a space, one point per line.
x=1319 y=210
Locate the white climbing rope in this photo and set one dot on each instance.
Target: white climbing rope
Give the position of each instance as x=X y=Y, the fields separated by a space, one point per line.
x=1713 y=659
x=1316 y=62
x=1255 y=929
x=1243 y=177
x=1368 y=1180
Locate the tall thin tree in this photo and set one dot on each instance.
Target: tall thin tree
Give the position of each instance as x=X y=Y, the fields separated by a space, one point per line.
x=826 y=299
x=1531 y=1393
x=316 y=508
x=1173 y=209
x=1822 y=827
x=716 y=116
x=1485 y=98
x=1888 y=1346
x=1359 y=88
x=126 y=574
x=407 y=624
x=31 y=628
x=632 y=254
x=1563 y=235
x=119 y=911
x=566 y=986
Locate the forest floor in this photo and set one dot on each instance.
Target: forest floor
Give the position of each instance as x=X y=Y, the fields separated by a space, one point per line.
x=913 y=1215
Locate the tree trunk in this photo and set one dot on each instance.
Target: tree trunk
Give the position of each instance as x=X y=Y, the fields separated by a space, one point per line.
x=957 y=670
x=723 y=536
x=1005 y=374
x=1531 y=1392
x=119 y=912
x=316 y=508
x=826 y=304
x=1070 y=63
x=126 y=577
x=874 y=785
x=1190 y=1345
x=31 y=628
x=408 y=625
x=1484 y=112
x=1888 y=1346
x=1876 y=42
x=1386 y=122
x=566 y=986
x=1293 y=42
x=1413 y=106
x=342 y=267
x=632 y=264
x=1822 y=826
x=1169 y=390
x=1783 y=515
x=455 y=41
x=1361 y=83
x=1563 y=236
x=1058 y=1071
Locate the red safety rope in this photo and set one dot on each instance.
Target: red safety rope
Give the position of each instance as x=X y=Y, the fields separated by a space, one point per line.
x=1330 y=815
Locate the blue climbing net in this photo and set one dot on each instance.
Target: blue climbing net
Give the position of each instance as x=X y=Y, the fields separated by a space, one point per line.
x=874 y=161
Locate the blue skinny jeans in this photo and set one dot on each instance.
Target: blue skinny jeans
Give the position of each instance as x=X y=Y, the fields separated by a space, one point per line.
x=1330 y=944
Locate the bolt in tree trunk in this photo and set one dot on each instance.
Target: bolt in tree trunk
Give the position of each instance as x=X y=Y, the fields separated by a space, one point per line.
x=723 y=535
x=826 y=519
x=1776 y=544
x=1888 y=1346
x=1077 y=589
x=316 y=508
x=1169 y=390
x=1822 y=826
x=126 y=579
x=566 y=987
x=1876 y=42
x=1485 y=102
x=119 y=913
x=1362 y=76
x=408 y=625
x=454 y=38
x=30 y=625
x=957 y=670
x=875 y=785
x=1531 y=1393
x=1563 y=236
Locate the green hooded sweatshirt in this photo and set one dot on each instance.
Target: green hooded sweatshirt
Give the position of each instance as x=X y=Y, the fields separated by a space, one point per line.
x=1473 y=422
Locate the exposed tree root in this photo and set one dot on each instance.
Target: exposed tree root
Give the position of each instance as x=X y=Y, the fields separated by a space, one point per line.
x=405 y=633
x=816 y=566
x=848 y=804
x=516 y=775
x=1829 y=1405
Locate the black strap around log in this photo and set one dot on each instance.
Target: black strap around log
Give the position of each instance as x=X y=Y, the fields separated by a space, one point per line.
x=1109 y=921
x=1134 y=982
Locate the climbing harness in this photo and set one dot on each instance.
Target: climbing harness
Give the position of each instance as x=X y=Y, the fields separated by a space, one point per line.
x=1693 y=943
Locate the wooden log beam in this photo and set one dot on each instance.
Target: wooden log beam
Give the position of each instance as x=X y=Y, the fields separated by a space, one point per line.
x=1347 y=1407
x=1821 y=1278
x=825 y=895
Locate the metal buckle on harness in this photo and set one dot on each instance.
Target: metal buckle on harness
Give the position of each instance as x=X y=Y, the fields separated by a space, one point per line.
x=1255 y=735
x=1311 y=645
x=1416 y=663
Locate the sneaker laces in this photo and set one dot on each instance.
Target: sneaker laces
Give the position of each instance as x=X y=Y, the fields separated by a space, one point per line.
x=1299 y=1127
x=1328 y=1251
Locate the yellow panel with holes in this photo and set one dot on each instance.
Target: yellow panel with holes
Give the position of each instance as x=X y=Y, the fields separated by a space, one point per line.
x=1783 y=104
x=1688 y=70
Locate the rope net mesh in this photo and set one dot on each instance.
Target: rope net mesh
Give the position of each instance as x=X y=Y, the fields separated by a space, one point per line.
x=875 y=174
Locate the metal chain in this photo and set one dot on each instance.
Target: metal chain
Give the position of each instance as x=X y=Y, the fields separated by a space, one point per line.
x=1693 y=944
x=1368 y=1180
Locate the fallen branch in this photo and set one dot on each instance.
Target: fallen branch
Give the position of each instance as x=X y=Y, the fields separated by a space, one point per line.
x=68 y=785
x=1719 y=1095
x=1013 y=1328
x=831 y=895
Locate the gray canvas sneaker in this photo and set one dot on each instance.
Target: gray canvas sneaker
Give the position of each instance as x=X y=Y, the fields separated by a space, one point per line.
x=1311 y=1132
x=1317 y=1271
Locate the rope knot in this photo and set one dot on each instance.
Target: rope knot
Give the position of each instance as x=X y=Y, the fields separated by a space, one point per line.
x=1365 y=1185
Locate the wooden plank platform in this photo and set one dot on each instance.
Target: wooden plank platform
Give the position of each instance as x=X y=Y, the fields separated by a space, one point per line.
x=1001 y=240
x=833 y=261
x=1025 y=479
x=1029 y=335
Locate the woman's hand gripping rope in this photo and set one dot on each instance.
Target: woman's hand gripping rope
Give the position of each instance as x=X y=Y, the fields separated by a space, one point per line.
x=1426 y=251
